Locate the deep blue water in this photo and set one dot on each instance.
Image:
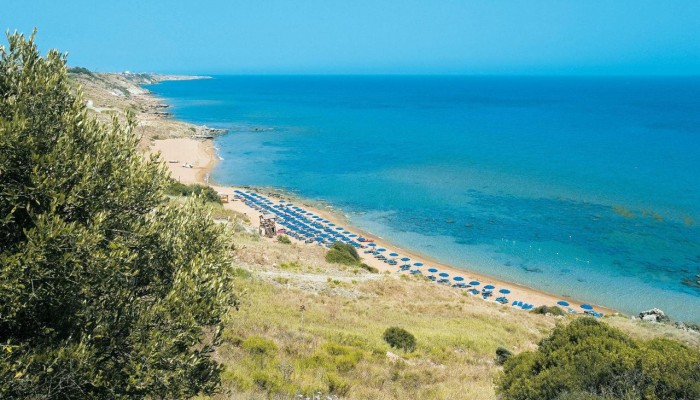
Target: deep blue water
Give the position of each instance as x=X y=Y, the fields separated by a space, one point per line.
x=587 y=187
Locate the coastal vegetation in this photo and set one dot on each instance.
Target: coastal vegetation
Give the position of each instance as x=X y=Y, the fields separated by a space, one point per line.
x=194 y=189
x=343 y=253
x=587 y=359
x=400 y=338
x=284 y=239
x=108 y=290
x=460 y=340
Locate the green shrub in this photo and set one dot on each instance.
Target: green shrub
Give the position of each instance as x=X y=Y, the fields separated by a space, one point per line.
x=284 y=239
x=553 y=310
x=400 y=339
x=342 y=253
x=195 y=189
x=369 y=268
x=260 y=349
x=502 y=355
x=588 y=359
x=270 y=383
x=79 y=70
x=337 y=385
x=345 y=358
x=258 y=346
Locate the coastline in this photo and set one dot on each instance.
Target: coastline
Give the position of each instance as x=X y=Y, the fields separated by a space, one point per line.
x=201 y=154
x=185 y=146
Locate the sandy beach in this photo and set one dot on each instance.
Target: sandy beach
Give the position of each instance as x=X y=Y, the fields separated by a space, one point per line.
x=201 y=155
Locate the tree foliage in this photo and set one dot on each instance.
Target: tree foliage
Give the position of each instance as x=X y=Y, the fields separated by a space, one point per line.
x=400 y=338
x=194 y=189
x=589 y=360
x=108 y=290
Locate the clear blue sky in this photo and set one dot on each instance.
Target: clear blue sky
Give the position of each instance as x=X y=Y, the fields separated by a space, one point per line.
x=369 y=36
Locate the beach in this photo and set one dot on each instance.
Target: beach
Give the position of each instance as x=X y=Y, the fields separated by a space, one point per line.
x=201 y=155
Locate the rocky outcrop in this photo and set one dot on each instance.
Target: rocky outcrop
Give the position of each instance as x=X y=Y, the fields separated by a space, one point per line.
x=654 y=315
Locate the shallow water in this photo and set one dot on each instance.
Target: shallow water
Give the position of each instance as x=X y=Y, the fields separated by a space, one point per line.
x=586 y=187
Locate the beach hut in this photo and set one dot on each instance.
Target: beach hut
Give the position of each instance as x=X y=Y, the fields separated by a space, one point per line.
x=267 y=225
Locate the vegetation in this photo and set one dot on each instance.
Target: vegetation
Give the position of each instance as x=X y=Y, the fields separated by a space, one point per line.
x=79 y=70
x=343 y=253
x=502 y=355
x=587 y=359
x=369 y=268
x=400 y=338
x=195 y=189
x=552 y=310
x=284 y=239
x=458 y=336
x=108 y=289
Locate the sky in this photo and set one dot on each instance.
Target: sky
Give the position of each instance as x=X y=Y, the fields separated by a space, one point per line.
x=495 y=37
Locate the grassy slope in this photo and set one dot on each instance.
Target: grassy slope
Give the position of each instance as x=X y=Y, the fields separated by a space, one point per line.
x=336 y=346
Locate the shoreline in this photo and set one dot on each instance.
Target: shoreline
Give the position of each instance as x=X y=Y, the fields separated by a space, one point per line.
x=203 y=158
x=200 y=154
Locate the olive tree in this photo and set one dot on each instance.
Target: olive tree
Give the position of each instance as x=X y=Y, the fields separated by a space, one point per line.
x=107 y=289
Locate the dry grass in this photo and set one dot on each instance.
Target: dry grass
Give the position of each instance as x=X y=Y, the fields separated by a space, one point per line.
x=335 y=347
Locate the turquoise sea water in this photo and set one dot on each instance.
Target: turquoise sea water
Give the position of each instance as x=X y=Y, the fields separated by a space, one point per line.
x=586 y=187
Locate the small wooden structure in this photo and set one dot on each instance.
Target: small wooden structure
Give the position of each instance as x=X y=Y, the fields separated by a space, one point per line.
x=267 y=225
x=223 y=198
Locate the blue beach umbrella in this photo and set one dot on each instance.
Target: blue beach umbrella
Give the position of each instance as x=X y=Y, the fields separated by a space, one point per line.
x=330 y=224
x=405 y=259
x=475 y=283
x=432 y=270
x=504 y=291
x=444 y=274
x=372 y=244
x=418 y=264
x=339 y=228
x=381 y=249
x=458 y=279
x=393 y=255
x=586 y=306
x=489 y=287
x=352 y=236
x=563 y=303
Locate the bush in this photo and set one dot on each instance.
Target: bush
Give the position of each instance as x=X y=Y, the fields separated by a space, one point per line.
x=258 y=346
x=79 y=70
x=195 y=189
x=587 y=359
x=544 y=310
x=284 y=239
x=108 y=289
x=342 y=253
x=369 y=268
x=400 y=338
x=502 y=355
x=337 y=386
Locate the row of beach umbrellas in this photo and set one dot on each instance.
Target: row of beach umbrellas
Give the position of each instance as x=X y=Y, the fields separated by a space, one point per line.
x=308 y=227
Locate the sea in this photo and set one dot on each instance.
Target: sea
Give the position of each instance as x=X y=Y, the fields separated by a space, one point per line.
x=584 y=187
